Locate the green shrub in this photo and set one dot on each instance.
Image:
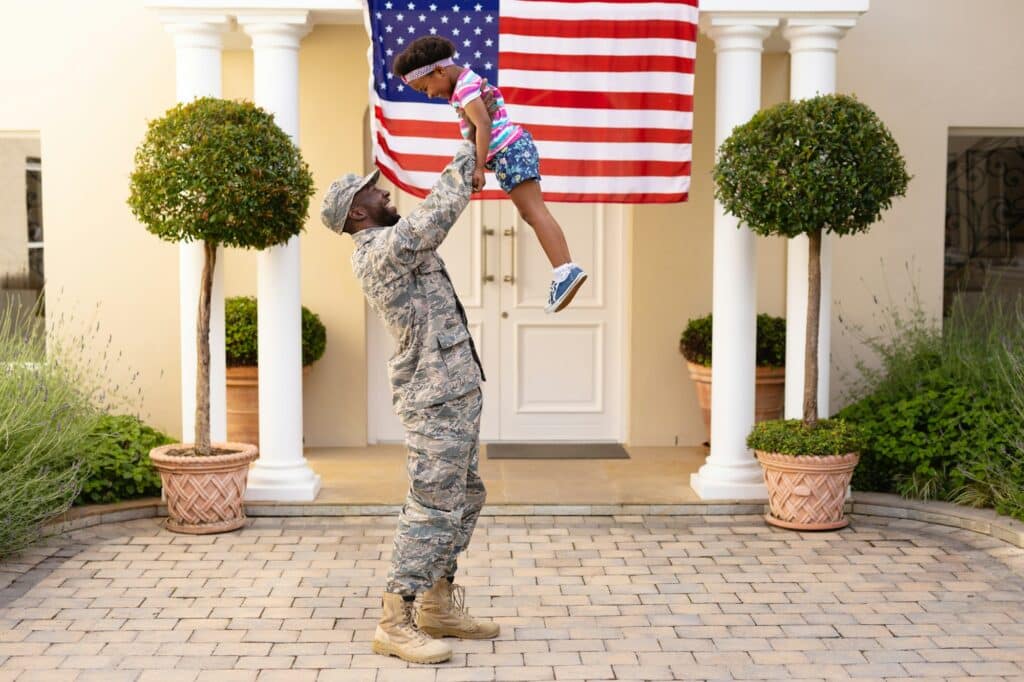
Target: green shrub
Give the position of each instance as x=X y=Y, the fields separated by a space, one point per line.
x=241 y=338
x=695 y=342
x=942 y=410
x=48 y=406
x=793 y=437
x=115 y=457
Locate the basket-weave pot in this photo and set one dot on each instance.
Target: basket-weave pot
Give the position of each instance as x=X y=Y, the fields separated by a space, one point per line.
x=204 y=494
x=807 y=492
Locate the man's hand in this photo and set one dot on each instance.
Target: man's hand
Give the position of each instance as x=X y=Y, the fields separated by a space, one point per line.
x=479 y=180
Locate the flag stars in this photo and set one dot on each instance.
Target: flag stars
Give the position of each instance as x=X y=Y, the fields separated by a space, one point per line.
x=411 y=6
x=478 y=30
x=400 y=16
x=478 y=7
x=488 y=66
x=444 y=20
x=455 y=31
x=455 y=8
x=433 y=8
x=488 y=42
x=433 y=31
x=400 y=40
x=380 y=15
x=489 y=19
x=477 y=54
x=465 y=20
x=466 y=43
x=388 y=5
x=423 y=17
x=388 y=28
x=401 y=88
x=389 y=52
x=412 y=29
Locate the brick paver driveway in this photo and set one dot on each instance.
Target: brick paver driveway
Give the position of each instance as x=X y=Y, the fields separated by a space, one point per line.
x=595 y=598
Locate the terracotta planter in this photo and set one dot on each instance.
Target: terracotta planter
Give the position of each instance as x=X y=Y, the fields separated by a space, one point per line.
x=243 y=404
x=807 y=492
x=204 y=494
x=769 y=392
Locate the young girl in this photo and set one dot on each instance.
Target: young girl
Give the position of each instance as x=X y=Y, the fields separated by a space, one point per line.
x=501 y=146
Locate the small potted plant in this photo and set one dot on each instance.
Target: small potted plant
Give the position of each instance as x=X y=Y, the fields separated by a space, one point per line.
x=770 y=377
x=241 y=349
x=220 y=172
x=815 y=166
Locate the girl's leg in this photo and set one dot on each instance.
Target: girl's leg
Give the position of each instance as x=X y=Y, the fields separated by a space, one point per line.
x=530 y=202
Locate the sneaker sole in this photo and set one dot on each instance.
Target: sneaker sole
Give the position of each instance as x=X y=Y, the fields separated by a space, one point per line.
x=438 y=634
x=571 y=294
x=387 y=650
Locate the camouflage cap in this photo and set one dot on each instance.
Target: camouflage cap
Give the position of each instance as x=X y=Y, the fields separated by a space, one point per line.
x=338 y=201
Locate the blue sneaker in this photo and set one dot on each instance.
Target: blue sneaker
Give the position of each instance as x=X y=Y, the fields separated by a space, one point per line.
x=563 y=292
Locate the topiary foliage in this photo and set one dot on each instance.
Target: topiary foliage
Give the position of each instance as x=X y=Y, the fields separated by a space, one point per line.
x=825 y=164
x=220 y=172
x=241 y=337
x=695 y=342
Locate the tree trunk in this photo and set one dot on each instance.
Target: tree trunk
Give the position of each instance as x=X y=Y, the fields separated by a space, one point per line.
x=813 y=316
x=203 y=352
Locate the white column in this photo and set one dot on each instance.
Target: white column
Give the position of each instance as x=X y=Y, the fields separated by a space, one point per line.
x=731 y=471
x=813 y=45
x=197 y=43
x=281 y=472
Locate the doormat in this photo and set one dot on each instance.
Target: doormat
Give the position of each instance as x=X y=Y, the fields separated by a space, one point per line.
x=556 y=451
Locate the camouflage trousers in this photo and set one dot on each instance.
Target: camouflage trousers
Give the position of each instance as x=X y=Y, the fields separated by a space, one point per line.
x=445 y=493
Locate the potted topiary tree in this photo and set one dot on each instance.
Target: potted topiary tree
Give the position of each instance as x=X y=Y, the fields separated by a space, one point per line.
x=770 y=378
x=820 y=165
x=240 y=346
x=221 y=172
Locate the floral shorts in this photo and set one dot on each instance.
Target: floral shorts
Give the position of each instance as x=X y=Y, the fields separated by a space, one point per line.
x=516 y=163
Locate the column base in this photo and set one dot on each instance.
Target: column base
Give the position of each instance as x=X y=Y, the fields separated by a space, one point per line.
x=298 y=483
x=711 y=487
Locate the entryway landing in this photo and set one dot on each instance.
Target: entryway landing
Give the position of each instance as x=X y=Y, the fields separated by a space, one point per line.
x=651 y=475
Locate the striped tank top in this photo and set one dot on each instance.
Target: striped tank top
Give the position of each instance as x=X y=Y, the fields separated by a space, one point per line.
x=503 y=131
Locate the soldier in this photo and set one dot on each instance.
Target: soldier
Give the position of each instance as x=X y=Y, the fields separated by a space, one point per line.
x=435 y=377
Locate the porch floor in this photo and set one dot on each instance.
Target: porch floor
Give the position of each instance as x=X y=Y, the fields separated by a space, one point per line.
x=652 y=475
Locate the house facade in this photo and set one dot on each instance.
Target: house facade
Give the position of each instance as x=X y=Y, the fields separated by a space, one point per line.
x=80 y=81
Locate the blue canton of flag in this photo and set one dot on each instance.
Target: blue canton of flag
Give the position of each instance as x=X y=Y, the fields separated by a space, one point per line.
x=472 y=26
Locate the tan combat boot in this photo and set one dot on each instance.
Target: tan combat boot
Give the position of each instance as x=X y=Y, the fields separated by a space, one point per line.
x=397 y=634
x=442 y=613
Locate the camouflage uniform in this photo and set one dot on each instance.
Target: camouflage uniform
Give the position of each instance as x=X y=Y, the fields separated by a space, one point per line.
x=435 y=377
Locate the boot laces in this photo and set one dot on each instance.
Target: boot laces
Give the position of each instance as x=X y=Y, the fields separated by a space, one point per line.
x=457 y=595
x=408 y=625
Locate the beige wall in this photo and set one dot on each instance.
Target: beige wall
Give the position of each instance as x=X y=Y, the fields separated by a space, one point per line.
x=916 y=62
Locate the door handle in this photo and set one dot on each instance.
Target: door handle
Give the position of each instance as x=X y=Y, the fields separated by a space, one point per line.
x=487 y=232
x=511 y=232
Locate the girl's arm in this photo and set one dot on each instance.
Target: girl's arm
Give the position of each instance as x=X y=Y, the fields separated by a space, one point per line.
x=480 y=119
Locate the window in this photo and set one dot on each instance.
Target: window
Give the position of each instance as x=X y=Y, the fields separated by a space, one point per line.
x=21 y=227
x=984 y=215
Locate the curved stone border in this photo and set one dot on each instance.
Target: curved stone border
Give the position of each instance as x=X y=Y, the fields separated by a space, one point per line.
x=983 y=521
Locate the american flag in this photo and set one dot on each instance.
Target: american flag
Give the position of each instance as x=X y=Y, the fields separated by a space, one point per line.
x=605 y=88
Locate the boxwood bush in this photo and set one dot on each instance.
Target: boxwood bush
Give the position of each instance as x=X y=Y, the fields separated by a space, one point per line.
x=241 y=338
x=793 y=437
x=695 y=341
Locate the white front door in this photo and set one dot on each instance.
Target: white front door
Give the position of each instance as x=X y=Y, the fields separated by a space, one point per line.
x=549 y=377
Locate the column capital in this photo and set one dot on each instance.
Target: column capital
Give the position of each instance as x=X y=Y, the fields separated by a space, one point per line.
x=196 y=30
x=280 y=30
x=817 y=34
x=740 y=33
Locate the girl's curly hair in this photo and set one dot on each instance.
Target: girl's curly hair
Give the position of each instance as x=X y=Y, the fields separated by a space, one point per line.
x=422 y=51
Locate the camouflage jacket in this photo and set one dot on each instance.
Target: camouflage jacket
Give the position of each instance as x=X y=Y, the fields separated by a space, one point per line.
x=406 y=283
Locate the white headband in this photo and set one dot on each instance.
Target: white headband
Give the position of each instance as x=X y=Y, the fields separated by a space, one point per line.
x=424 y=70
